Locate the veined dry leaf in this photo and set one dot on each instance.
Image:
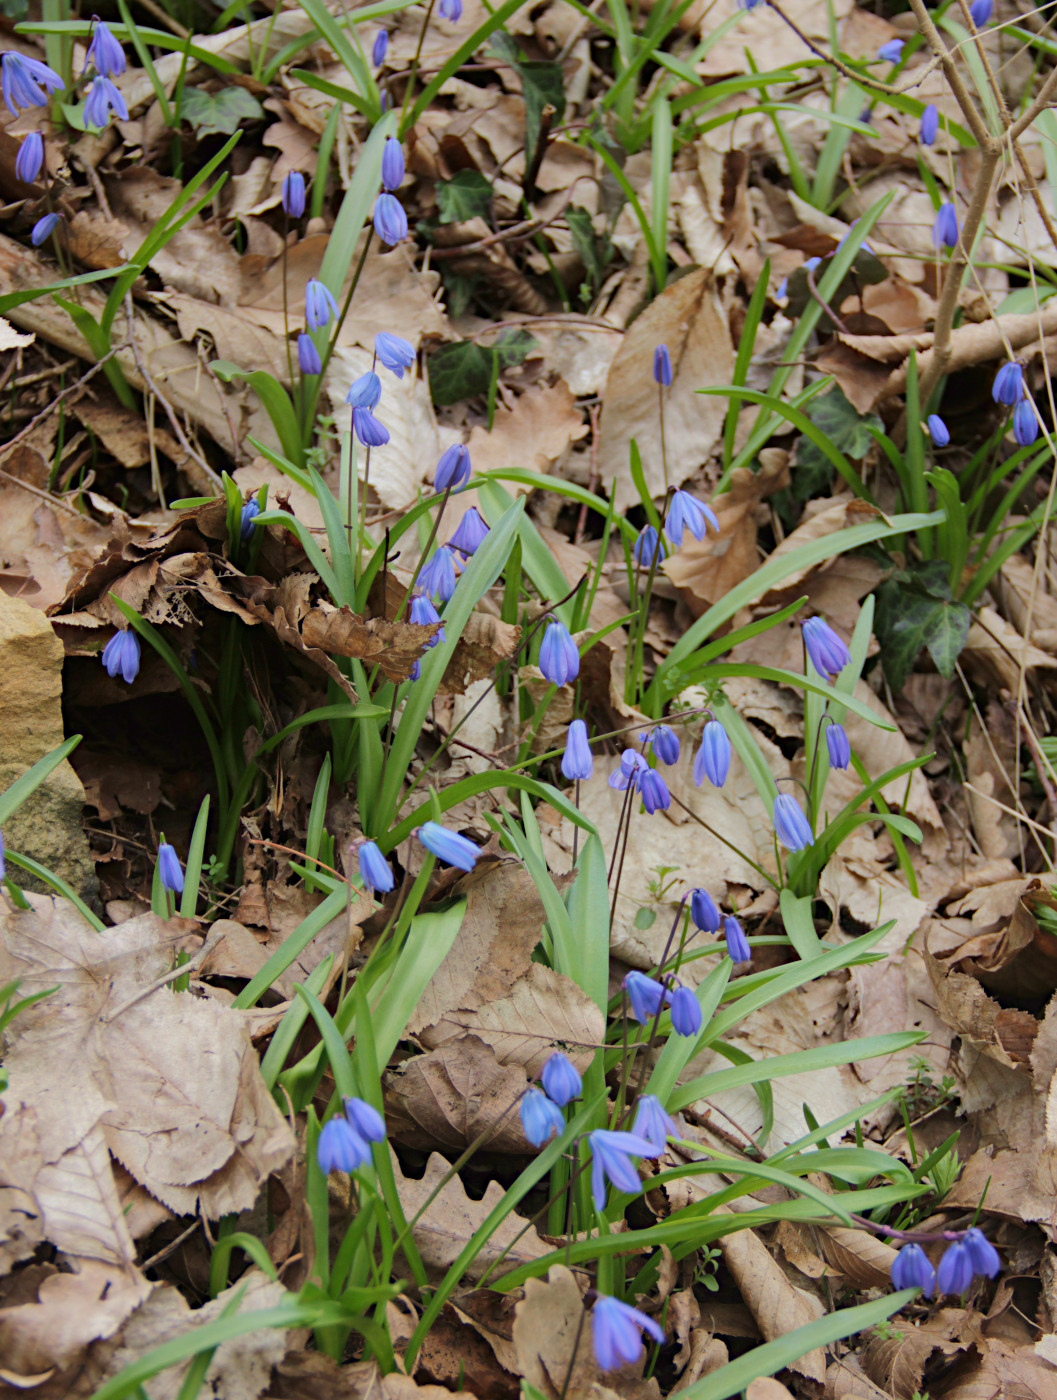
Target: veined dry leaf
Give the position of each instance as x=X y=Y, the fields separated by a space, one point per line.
x=707 y=1354
x=393 y=647
x=995 y=653
x=767 y=1388
x=450 y=1220
x=845 y=1381
x=450 y=1096
x=688 y=318
x=1012 y=1373
x=535 y=433
x=484 y=643
x=1003 y=1033
x=861 y=1257
x=896 y=1360
x=777 y=1306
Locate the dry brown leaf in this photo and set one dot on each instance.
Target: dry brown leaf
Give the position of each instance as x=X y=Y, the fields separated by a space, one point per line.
x=845 y=1381
x=688 y=318
x=1003 y=1033
x=484 y=643
x=454 y=1353
x=896 y=1360
x=861 y=1257
x=777 y=1306
x=707 y=1354
x=536 y=433
x=995 y=653
x=1010 y=1373
x=767 y=1388
x=450 y=1096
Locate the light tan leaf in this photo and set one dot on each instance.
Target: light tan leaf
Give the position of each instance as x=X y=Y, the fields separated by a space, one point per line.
x=1003 y=1033
x=484 y=643
x=535 y=433
x=688 y=318
x=859 y=1256
x=551 y=1335
x=767 y=1388
x=10 y=339
x=450 y=1096
x=995 y=652
x=776 y=1305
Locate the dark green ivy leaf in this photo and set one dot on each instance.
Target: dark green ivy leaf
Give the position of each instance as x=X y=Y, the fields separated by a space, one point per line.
x=219 y=112
x=466 y=195
x=542 y=84
x=464 y=370
x=945 y=634
x=909 y=618
x=847 y=429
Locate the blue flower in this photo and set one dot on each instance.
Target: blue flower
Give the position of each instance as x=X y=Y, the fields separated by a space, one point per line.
x=713 y=757
x=663 y=741
x=365 y=392
x=750 y=4
x=738 y=949
x=631 y=763
x=105 y=51
x=319 y=305
x=559 y=656
x=3 y=859
x=451 y=10
x=370 y=430
x=392 y=164
x=249 y=514
x=662 y=366
x=26 y=82
x=340 y=1148
x=448 y=846
x=649 y=548
x=783 y=290
x=838 y=746
x=308 y=355
x=560 y=1079
x=686 y=512
x=653 y=790
x=122 y=653
x=911 y=1269
x=646 y=996
x=374 y=868
x=686 y=1012
x=540 y=1118
x=437 y=577
x=825 y=650
x=43 y=229
x=424 y=613
x=982 y=1253
x=981 y=11
x=1025 y=423
x=103 y=98
x=390 y=221
x=891 y=52
x=945 y=229
x=955 y=1272
x=30 y=158
x=577 y=761
x=703 y=911
x=453 y=469
x=930 y=124
x=293 y=194
x=652 y=1122
x=394 y=352
x=938 y=430
x=812 y=263
x=1008 y=387
x=790 y=824
x=611 y=1154
x=381 y=47
x=169 y=870
x=364 y=1119
x=470 y=533
x=616 y=1327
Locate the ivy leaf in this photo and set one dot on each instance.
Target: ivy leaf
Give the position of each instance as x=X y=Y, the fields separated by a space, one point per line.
x=219 y=112
x=465 y=370
x=847 y=429
x=467 y=195
x=901 y=622
x=945 y=634
x=542 y=85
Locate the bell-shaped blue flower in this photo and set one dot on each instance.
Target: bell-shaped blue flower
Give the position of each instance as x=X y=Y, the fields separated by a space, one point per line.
x=938 y=430
x=392 y=164
x=26 y=82
x=561 y=1080
x=540 y=1117
x=122 y=654
x=646 y=996
x=390 y=221
x=293 y=194
x=662 y=366
x=652 y=1122
x=930 y=124
x=982 y=1253
x=43 y=229
x=654 y=791
x=423 y=612
x=448 y=846
x=838 y=746
x=738 y=949
x=611 y=1154
x=1008 y=387
x=308 y=356
x=712 y=760
x=685 y=1011
x=380 y=47
x=319 y=305
x=559 y=656
x=812 y=263
x=616 y=1333
x=790 y=824
x=371 y=431
x=577 y=761
x=686 y=512
x=955 y=1272
x=1025 y=423
x=30 y=157
x=911 y=1269
x=703 y=911
x=170 y=871
x=649 y=549
x=825 y=650
x=341 y=1148
x=631 y=764
x=374 y=868
x=436 y=578
x=365 y=391
x=451 y=10
x=453 y=469
x=364 y=1119
x=945 y=228
x=394 y=352
x=247 y=516
x=891 y=52
x=981 y=11
x=3 y=858
x=105 y=52
x=103 y=98
x=783 y=290
x=470 y=533
x=664 y=742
